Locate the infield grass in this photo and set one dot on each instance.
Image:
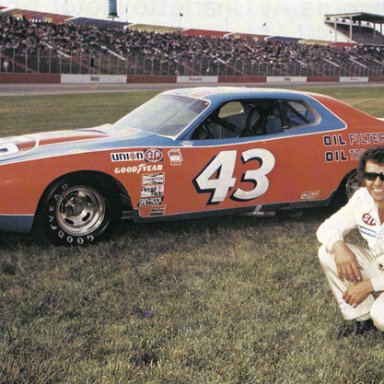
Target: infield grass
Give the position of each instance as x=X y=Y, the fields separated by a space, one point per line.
x=27 y=114
x=229 y=300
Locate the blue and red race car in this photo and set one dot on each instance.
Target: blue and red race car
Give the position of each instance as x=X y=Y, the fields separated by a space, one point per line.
x=185 y=153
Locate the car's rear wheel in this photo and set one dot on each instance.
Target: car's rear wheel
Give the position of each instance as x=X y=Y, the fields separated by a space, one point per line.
x=352 y=184
x=78 y=210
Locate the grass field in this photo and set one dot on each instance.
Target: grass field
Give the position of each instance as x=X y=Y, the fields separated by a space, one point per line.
x=229 y=300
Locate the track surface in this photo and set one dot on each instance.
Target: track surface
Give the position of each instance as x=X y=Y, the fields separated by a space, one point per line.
x=51 y=89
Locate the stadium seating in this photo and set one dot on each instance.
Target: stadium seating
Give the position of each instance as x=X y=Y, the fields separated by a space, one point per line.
x=38 y=46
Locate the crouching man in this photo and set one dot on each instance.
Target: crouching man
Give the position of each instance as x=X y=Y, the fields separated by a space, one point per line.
x=354 y=273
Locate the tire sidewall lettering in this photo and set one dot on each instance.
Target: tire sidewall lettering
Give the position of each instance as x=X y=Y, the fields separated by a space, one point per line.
x=52 y=227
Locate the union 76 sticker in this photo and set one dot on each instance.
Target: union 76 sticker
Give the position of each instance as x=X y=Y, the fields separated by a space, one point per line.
x=218 y=178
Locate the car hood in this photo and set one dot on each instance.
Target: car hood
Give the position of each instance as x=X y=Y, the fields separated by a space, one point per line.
x=56 y=143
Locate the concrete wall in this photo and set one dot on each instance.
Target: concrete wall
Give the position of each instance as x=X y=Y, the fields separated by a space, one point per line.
x=30 y=78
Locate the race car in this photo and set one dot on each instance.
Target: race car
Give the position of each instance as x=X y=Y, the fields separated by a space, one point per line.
x=186 y=153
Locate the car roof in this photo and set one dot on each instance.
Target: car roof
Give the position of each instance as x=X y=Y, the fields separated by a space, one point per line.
x=231 y=93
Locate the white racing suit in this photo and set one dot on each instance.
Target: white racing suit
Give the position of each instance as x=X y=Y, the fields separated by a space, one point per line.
x=360 y=212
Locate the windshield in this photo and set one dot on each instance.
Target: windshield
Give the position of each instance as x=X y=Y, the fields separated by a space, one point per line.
x=164 y=114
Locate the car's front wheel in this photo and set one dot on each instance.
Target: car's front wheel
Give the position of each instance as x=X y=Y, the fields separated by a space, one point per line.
x=78 y=211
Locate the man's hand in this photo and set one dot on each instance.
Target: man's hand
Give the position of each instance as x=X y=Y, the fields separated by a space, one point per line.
x=357 y=293
x=346 y=263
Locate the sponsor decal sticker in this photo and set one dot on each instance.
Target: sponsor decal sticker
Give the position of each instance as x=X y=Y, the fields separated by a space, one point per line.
x=310 y=195
x=150 y=201
x=127 y=156
x=366 y=231
x=368 y=219
x=153 y=178
x=153 y=155
x=175 y=156
x=139 y=168
x=158 y=211
x=152 y=191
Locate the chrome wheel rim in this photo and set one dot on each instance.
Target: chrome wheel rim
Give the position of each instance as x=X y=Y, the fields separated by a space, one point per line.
x=352 y=185
x=80 y=210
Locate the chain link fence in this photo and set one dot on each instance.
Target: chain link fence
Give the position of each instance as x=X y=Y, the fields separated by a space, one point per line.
x=52 y=61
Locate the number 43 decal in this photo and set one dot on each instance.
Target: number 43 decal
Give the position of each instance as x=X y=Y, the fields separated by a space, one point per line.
x=217 y=178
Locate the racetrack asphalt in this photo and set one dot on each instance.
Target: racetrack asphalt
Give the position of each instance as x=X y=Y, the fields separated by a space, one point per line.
x=51 y=89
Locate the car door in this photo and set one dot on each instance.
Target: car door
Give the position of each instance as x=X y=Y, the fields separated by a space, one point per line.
x=248 y=154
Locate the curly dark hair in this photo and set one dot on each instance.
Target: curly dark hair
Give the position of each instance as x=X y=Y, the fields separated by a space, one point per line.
x=375 y=154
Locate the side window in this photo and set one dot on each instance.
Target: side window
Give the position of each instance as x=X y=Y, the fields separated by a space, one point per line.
x=224 y=123
x=256 y=117
x=264 y=118
x=298 y=113
x=231 y=119
x=231 y=109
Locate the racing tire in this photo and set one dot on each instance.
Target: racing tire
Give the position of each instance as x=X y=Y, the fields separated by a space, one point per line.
x=348 y=187
x=352 y=184
x=78 y=210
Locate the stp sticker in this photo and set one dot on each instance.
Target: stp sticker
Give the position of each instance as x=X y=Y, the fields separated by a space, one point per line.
x=153 y=155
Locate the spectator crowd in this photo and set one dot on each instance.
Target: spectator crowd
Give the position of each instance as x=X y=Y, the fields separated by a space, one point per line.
x=71 y=39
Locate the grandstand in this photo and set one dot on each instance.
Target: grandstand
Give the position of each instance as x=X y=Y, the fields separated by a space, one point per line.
x=153 y=28
x=33 y=16
x=359 y=27
x=38 y=42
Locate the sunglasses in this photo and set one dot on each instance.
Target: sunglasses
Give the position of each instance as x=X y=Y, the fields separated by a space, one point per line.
x=372 y=176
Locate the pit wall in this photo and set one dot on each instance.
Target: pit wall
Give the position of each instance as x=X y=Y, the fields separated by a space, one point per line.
x=29 y=78
x=42 y=78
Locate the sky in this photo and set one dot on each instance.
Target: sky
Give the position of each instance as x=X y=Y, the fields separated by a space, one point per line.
x=298 y=18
